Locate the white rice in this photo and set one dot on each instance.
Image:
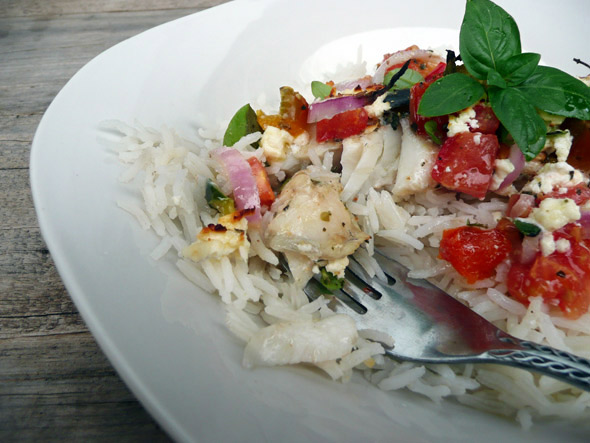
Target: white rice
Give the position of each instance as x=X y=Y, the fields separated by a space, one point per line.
x=169 y=174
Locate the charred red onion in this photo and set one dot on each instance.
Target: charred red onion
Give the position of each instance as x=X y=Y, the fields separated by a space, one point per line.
x=329 y=108
x=398 y=58
x=362 y=83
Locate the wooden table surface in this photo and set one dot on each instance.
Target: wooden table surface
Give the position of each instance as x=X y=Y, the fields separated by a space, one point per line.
x=55 y=383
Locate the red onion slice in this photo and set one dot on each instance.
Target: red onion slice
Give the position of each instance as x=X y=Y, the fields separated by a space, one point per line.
x=245 y=190
x=530 y=247
x=516 y=157
x=329 y=108
x=363 y=83
x=520 y=205
x=397 y=58
x=585 y=223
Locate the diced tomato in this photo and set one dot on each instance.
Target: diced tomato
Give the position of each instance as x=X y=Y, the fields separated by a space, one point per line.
x=465 y=163
x=292 y=115
x=562 y=278
x=436 y=73
x=417 y=120
x=579 y=193
x=342 y=125
x=579 y=156
x=474 y=252
x=267 y=195
x=487 y=121
x=510 y=231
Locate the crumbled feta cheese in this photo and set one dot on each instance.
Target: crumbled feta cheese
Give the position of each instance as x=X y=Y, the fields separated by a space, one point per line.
x=223 y=239
x=275 y=143
x=562 y=245
x=502 y=167
x=554 y=213
x=561 y=143
x=477 y=139
x=378 y=107
x=547 y=243
x=554 y=175
x=337 y=267
x=462 y=122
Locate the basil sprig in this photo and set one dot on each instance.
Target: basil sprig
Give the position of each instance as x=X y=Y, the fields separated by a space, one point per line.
x=516 y=86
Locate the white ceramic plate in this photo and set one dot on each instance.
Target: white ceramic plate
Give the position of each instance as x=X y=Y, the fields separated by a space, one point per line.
x=164 y=336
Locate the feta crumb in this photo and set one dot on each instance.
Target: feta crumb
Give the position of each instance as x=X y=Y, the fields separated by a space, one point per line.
x=502 y=167
x=547 y=244
x=562 y=245
x=275 y=142
x=337 y=267
x=554 y=213
x=553 y=175
x=378 y=107
x=561 y=143
x=462 y=122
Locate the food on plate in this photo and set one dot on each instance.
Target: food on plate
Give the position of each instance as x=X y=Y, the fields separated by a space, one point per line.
x=471 y=170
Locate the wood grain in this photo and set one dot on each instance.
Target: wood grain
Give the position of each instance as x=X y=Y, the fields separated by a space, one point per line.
x=55 y=383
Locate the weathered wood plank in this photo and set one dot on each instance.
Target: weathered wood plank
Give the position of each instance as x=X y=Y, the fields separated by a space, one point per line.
x=55 y=383
x=53 y=389
x=19 y=8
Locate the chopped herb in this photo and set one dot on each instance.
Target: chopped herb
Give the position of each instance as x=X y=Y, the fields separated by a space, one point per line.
x=325 y=216
x=330 y=281
x=406 y=81
x=527 y=229
x=320 y=90
x=477 y=225
x=217 y=199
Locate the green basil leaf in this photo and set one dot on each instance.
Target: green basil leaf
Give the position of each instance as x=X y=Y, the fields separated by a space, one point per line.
x=406 y=81
x=558 y=93
x=489 y=35
x=320 y=90
x=495 y=79
x=449 y=94
x=243 y=122
x=519 y=67
x=431 y=127
x=520 y=118
x=528 y=229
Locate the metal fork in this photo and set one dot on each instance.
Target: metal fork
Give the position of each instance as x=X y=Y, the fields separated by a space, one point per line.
x=429 y=326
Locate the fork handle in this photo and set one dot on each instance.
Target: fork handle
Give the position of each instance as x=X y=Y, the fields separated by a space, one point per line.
x=544 y=359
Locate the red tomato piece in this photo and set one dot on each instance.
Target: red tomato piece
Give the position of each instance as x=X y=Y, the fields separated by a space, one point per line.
x=474 y=252
x=579 y=193
x=345 y=124
x=267 y=195
x=465 y=163
x=487 y=121
x=562 y=278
